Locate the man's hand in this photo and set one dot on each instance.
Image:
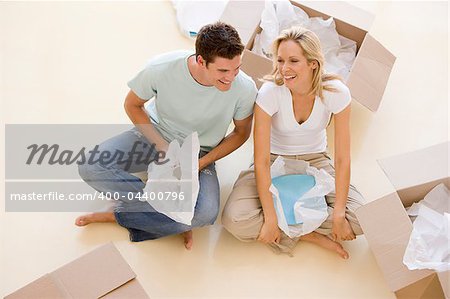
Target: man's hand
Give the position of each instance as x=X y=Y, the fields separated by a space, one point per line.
x=270 y=232
x=202 y=163
x=341 y=230
x=241 y=132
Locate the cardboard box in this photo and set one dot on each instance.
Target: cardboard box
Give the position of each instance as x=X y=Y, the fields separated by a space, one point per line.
x=373 y=64
x=387 y=227
x=102 y=273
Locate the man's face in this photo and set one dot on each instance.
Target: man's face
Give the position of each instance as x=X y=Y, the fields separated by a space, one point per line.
x=222 y=71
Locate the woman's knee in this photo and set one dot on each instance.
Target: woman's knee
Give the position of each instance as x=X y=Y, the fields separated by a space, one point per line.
x=356 y=227
x=355 y=201
x=228 y=219
x=229 y=213
x=242 y=221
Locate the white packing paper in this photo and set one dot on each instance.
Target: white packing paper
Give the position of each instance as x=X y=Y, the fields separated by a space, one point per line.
x=311 y=207
x=339 y=52
x=172 y=188
x=193 y=15
x=429 y=243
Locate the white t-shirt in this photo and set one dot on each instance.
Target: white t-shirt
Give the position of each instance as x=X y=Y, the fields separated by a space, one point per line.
x=288 y=137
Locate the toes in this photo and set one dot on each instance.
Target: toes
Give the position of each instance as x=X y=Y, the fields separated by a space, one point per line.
x=341 y=251
x=188 y=244
x=188 y=240
x=81 y=221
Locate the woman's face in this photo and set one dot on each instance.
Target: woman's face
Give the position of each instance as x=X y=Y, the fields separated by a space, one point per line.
x=293 y=66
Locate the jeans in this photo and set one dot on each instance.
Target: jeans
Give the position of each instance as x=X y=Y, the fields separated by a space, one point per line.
x=141 y=220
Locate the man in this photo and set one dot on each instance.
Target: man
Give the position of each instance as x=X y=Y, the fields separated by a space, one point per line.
x=194 y=92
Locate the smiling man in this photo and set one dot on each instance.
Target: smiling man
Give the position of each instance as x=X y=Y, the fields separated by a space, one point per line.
x=199 y=92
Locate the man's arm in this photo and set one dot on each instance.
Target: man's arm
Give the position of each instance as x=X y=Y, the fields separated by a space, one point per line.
x=134 y=106
x=240 y=134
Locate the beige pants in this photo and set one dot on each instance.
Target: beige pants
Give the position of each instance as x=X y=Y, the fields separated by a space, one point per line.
x=243 y=216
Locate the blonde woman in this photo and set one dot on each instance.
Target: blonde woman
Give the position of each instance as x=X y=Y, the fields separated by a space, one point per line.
x=292 y=112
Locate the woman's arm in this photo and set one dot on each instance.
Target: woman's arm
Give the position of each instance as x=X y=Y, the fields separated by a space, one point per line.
x=341 y=228
x=269 y=232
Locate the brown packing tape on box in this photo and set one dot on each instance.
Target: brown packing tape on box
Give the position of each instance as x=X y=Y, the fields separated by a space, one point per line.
x=100 y=272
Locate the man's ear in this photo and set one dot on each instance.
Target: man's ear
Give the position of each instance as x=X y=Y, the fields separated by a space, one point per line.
x=201 y=61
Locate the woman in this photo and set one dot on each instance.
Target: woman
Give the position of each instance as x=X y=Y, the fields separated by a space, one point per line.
x=291 y=116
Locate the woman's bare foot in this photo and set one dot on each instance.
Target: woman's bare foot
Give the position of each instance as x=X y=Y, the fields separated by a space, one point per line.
x=344 y=229
x=188 y=239
x=325 y=242
x=95 y=217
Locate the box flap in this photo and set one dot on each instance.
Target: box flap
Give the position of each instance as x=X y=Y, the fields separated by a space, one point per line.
x=444 y=278
x=387 y=228
x=343 y=11
x=416 y=193
x=418 y=167
x=370 y=73
x=95 y=273
x=244 y=16
x=426 y=288
x=43 y=287
x=256 y=66
x=131 y=289
x=345 y=28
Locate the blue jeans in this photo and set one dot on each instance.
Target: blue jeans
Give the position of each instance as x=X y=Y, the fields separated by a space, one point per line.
x=141 y=220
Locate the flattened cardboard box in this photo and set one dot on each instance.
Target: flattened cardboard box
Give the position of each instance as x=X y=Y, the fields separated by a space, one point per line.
x=387 y=226
x=102 y=273
x=370 y=71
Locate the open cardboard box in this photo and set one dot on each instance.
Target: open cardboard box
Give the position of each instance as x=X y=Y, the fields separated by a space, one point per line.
x=373 y=64
x=387 y=227
x=102 y=273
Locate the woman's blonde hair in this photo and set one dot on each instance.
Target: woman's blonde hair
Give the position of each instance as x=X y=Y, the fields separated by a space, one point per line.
x=310 y=44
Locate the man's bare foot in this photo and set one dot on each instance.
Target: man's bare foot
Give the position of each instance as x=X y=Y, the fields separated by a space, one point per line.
x=188 y=239
x=95 y=217
x=325 y=242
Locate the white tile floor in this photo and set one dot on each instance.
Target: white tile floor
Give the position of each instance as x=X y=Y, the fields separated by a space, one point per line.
x=69 y=63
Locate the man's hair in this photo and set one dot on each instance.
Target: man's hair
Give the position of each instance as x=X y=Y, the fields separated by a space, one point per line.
x=218 y=39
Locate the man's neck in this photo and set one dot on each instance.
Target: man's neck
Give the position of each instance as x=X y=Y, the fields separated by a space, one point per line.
x=196 y=72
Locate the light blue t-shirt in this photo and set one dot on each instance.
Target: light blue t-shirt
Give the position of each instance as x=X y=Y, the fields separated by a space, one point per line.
x=182 y=105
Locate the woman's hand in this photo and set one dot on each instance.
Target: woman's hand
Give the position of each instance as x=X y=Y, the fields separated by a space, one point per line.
x=341 y=230
x=270 y=232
